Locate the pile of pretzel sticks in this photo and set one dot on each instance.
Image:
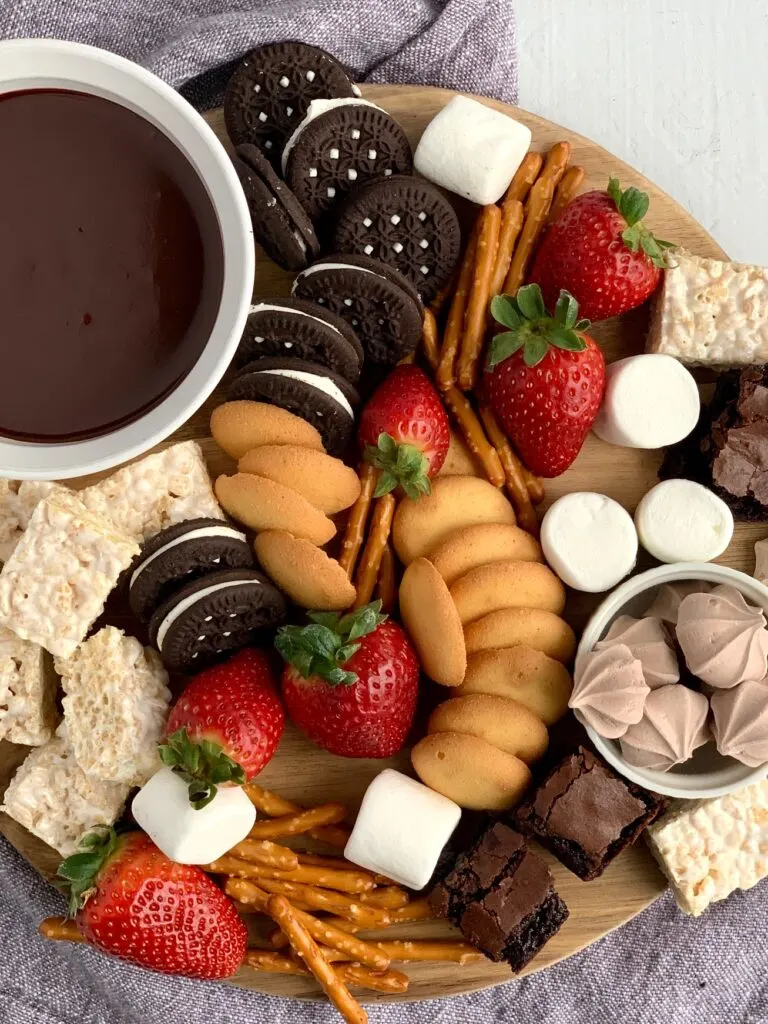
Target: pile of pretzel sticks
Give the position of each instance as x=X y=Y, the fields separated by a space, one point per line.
x=319 y=904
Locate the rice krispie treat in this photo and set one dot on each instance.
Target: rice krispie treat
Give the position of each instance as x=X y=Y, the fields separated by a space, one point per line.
x=53 y=798
x=115 y=706
x=157 y=491
x=54 y=585
x=27 y=691
x=18 y=500
x=709 y=848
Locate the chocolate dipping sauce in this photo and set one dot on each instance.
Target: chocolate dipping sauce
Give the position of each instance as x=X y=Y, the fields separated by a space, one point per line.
x=111 y=265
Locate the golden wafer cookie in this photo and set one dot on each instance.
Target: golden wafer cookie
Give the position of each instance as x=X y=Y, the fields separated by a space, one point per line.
x=473 y=546
x=431 y=619
x=455 y=501
x=500 y=721
x=510 y=584
x=262 y=504
x=239 y=426
x=307 y=575
x=459 y=461
x=326 y=482
x=530 y=677
x=470 y=771
x=544 y=631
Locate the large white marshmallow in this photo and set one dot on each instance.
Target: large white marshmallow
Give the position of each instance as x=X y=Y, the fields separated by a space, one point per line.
x=651 y=401
x=472 y=149
x=589 y=540
x=162 y=809
x=401 y=829
x=681 y=521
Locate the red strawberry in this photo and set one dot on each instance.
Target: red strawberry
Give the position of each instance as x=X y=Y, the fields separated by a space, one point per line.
x=130 y=900
x=544 y=379
x=226 y=725
x=351 y=682
x=404 y=432
x=600 y=251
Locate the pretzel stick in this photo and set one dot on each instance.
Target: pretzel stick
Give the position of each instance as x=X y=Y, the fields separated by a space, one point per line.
x=436 y=305
x=275 y=806
x=269 y=854
x=358 y=517
x=556 y=162
x=472 y=431
x=386 y=584
x=455 y=323
x=338 y=904
x=570 y=183
x=430 y=341
x=274 y=963
x=407 y=359
x=378 y=981
x=525 y=175
x=322 y=861
x=513 y=470
x=512 y=213
x=536 y=210
x=534 y=484
x=419 y=910
x=60 y=929
x=296 y=824
x=373 y=552
x=343 y=881
x=449 y=950
x=390 y=897
x=477 y=303
x=306 y=948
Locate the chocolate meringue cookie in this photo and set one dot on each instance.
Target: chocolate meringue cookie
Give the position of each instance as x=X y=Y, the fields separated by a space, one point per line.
x=668 y=597
x=724 y=639
x=673 y=725
x=649 y=641
x=740 y=723
x=609 y=691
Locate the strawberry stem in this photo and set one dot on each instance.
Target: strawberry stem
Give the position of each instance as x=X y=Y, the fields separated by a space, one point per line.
x=77 y=874
x=532 y=329
x=202 y=764
x=633 y=205
x=401 y=465
x=325 y=646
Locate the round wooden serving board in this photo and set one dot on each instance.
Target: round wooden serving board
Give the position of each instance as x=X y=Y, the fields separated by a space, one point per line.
x=307 y=775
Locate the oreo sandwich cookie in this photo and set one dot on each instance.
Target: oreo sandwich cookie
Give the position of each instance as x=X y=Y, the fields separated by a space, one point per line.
x=406 y=223
x=320 y=396
x=340 y=145
x=271 y=89
x=182 y=553
x=301 y=329
x=280 y=225
x=381 y=305
x=211 y=616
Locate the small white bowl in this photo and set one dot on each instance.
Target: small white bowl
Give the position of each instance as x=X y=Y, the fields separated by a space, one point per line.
x=707 y=774
x=27 y=64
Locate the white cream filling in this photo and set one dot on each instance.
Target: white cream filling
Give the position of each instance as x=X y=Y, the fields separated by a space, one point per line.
x=187 y=602
x=202 y=531
x=316 y=109
x=324 y=384
x=259 y=306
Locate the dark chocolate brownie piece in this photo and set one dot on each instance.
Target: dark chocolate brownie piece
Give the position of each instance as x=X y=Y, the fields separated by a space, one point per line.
x=586 y=814
x=502 y=897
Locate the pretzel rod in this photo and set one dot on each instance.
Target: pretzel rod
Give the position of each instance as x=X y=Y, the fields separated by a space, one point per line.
x=269 y=854
x=373 y=552
x=418 y=910
x=384 y=896
x=275 y=806
x=343 y=881
x=378 y=981
x=319 y=860
x=390 y=897
x=513 y=470
x=455 y=323
x=525 y=175
x=248 y=908
x=430 y=341
x=512 y=213
x=60 y=929
x=570 y=183
x=407 y=359
x=338 y=904
x=386 y=584
x=301 y=821
x=536 y=210
x=436 y=305
x=452 y=950
x=472 y=432
x=556 y=162
x=358 y=517
x=534 y=483
x=473 y=334
x=306 y=948
x=274 y=963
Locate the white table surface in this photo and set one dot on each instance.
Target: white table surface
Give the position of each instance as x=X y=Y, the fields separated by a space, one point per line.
x=677 y=88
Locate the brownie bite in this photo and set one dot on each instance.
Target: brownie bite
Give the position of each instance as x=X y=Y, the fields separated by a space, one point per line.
x=586 y=814
x=502 y=897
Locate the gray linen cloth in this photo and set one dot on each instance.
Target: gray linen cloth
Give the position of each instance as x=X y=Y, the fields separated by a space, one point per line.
x=661 y=968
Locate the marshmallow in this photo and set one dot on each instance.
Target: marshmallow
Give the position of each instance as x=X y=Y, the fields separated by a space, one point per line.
x=162 y=809
x=401 y=829
x=681 y=521
x=472 y=149
x=589 y=540
x=651 y=401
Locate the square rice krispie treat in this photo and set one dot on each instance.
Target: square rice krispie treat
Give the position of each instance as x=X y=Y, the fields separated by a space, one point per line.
x=54 y=585
x=115 y=706
x=157 y=491
x=27 y=691
x=53 y=798
x=18 y=500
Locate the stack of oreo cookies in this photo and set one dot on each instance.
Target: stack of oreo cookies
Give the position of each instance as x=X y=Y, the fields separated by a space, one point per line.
x=196 y=587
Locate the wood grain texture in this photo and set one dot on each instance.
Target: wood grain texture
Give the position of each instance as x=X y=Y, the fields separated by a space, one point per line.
x=307 y=775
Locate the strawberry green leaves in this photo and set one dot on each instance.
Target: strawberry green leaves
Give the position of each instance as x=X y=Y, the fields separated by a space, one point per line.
x=401 y=465
x=76 y=876
x=532 y=329
x=202 y=764
x=325 y=646
x=633 y=205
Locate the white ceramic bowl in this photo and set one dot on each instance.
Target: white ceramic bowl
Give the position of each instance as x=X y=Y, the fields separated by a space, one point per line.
x=707 y=774
x=51 y=64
